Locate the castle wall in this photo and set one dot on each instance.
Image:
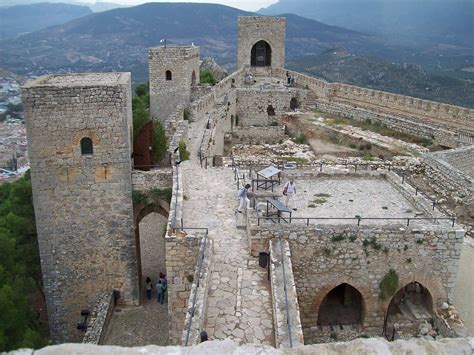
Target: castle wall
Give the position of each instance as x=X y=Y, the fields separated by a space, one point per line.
x=167 y=95
x=83 y=203
x=252 y=29
x=321 y=263
x=448 y=125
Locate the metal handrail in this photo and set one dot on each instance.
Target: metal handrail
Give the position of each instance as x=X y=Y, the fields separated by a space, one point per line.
x=286 y=295
x=358 y=219
x=202 y=253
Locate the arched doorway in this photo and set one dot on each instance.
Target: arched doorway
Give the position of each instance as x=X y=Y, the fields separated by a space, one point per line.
x=261 y=55
x=410 y=307
x=270 y=110
x=343 y=305
x=193 y=78
x=150 y=228
x=294 y=104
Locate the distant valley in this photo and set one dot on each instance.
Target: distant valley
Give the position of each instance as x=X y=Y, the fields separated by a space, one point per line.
x=118 y=40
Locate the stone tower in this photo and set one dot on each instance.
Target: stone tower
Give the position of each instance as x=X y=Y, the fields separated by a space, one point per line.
x=261 y=42
x=79 y=130
x=173 y=71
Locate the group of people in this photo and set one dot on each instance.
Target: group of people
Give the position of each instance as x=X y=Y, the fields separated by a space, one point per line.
x=289 y=192
x=290 y=80
x=160 y=288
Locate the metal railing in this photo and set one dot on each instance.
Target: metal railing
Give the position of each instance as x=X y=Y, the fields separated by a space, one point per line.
x=197 y=277
x=288 y=323
x=358 y=219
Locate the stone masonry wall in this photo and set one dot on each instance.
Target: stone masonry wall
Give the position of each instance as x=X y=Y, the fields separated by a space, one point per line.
x=252 y=29
x=250 y=135
x=154 y=179
x=283 y=324
x=325 y=256
x=166 y=95
x=83 y=203
x=181 y=256
x=199 y=291
x=450 y=125
x=252 y=105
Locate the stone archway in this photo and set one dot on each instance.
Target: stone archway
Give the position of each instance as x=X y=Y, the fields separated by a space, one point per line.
x=150 y=242
x=261 y=54
x=343 y=305
x=410 y=308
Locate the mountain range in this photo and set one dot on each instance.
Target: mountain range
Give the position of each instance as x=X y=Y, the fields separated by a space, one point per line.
x=118 y=39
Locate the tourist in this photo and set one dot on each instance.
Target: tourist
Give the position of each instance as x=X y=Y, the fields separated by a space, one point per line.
x=243 y=198
x=289 y=191
x=164 y=283
x=159 y=292
x=204 y=336
x=148 y=288
x=288 y=77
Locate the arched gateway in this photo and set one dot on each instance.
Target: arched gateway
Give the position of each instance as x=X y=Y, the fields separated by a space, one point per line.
x=261 y=55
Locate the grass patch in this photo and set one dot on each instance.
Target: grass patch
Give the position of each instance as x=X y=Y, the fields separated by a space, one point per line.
x=389 y=285
x=338 y=238
x=352 y=238
x=312 y=205
x=301 y=139
x=368 y=157
x=371 y=242
x=298 y=160
x=324 y=195
x=319 y=201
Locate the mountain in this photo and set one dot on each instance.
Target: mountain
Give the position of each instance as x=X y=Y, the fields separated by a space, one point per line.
x=118 y=39
x=407 y=21
x=98 y=6
x=29 y=18
x=339 y=65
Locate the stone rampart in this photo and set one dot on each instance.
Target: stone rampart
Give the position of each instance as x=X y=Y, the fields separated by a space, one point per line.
x=324 y=256
x=450 y=125
x=286 y=312
x=99 y=318
x=196 y=317
x=161 y=178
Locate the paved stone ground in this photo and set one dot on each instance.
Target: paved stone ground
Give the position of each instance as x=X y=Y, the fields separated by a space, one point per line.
x=239 y=299
x=138 y=326
x=348 y=198
x=152 y=245
x=147 y=324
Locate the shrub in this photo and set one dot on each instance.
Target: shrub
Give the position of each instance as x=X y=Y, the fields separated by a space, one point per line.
x=274 y=124
x=139 y=197
x=353 y=146
x=206 y=77
x=338 y=238
x=301 y=139
x=389 y=285
x=183 y=152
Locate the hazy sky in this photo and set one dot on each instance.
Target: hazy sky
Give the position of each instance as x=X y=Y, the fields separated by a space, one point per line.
x=249 y=5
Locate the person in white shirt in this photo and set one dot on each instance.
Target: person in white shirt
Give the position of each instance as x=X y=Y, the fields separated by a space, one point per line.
x=243 y=199
x=289 y=190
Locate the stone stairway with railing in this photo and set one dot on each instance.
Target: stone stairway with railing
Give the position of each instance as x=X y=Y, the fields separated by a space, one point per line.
x=239 y=300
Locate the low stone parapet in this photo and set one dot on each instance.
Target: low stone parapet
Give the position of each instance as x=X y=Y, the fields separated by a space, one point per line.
x=197 y=303
x=286 y=313
x=99 y=318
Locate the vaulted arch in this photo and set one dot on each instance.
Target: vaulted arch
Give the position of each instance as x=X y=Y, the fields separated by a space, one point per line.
x=343 y=304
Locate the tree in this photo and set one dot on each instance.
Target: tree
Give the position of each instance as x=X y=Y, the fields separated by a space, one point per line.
x=206 y=77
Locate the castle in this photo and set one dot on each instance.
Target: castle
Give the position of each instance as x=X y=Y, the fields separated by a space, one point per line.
x=80 y=145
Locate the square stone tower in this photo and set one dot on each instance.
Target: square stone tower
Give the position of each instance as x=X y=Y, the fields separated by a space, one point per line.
x=173 y=71
x=79 y=130
x=261 y=42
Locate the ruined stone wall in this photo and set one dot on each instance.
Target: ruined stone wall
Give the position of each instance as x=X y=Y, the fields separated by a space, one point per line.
x=166 y=95
x=154 y=179
x=461 y=159
x=321 y=261
x=449 y=125
x=252 y=29
x=252 y=105
x=83 y=202
x=251 y=135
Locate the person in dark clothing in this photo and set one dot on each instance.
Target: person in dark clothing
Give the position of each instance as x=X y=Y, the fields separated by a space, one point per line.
x=148 y=288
